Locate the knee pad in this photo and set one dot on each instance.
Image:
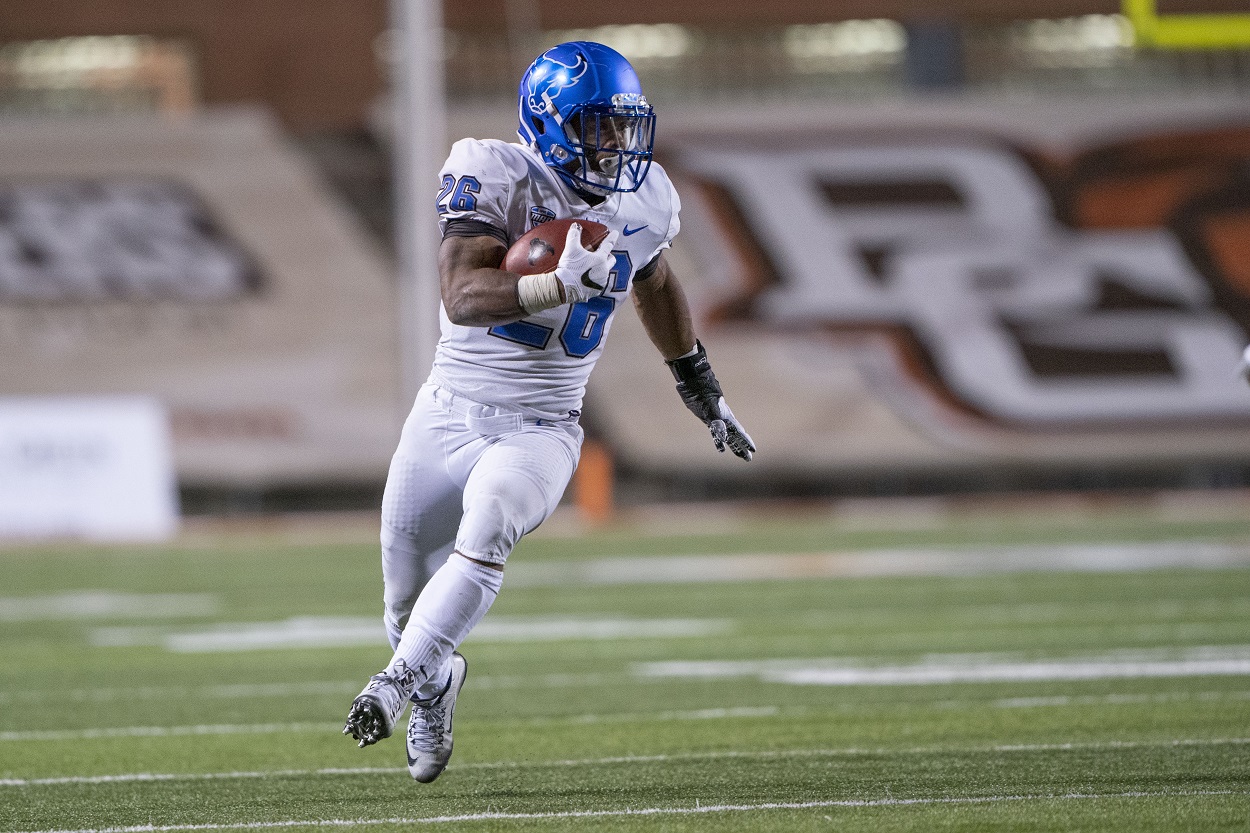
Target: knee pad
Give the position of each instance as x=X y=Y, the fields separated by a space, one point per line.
x=494 y=520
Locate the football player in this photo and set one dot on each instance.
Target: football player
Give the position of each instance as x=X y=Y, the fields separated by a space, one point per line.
x=493 y=438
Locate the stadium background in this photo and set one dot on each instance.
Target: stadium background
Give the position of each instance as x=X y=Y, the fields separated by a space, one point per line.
x=974 y=275
x=1005 y=250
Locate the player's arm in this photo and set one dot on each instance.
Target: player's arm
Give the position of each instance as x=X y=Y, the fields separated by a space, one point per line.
x=476 y=291
x=665 y=315
x=664 y=312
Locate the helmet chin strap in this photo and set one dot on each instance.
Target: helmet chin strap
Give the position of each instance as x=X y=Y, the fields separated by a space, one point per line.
x=588 y=191
x=598 y=183
x=596 y=193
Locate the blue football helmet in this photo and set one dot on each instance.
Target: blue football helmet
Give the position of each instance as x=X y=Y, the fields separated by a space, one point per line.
x=582 y=109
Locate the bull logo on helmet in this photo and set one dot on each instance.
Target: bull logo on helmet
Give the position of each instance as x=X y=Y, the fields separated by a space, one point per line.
x=546 y=84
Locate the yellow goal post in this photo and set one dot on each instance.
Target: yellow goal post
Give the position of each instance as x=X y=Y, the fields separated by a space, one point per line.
x=1186 y=31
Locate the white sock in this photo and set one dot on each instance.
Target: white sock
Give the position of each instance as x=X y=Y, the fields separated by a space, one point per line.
x=454 y=600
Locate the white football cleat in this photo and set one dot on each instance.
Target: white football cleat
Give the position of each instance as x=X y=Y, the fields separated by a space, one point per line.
x=375 y=710
x=429 y=727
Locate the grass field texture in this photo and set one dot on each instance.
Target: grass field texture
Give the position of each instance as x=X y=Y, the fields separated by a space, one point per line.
x=1055 y=666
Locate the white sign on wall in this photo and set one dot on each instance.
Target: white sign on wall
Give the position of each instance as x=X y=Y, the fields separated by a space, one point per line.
x=95 y=468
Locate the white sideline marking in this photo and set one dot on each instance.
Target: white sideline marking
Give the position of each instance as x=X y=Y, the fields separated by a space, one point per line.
x=1075 y=558
x=104 y=604
x=658 y=811
x=968 y=668
x=348 y=631
x=634 y=759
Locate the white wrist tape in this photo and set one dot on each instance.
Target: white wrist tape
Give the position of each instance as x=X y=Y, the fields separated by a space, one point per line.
x=538 y=292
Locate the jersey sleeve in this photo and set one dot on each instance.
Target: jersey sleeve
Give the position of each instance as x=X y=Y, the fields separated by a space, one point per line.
x=668 y=194
x=474 y=187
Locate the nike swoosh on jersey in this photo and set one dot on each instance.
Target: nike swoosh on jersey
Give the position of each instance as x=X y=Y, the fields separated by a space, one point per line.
x=627 y=231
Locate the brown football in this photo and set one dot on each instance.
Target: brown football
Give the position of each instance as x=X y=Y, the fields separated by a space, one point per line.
x=538 y=250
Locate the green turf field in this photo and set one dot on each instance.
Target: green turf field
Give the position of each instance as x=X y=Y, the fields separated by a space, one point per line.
x=1005 y=670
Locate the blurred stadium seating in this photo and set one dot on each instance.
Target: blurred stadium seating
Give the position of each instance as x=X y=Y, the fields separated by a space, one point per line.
x=1117 y=304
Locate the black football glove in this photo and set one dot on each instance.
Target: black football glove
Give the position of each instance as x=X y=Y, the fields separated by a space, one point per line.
x=702 y=394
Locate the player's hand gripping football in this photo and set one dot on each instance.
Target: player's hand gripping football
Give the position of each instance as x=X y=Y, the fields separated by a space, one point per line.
x=584 y=273
x=699 y=389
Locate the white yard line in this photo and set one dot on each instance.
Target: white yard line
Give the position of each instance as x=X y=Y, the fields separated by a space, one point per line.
x=504 y=682
x=967 y=561
x=349 y=631
x=106 y=604
x=43 y=735
x=295 y=728
x=156 y=777
x=167 y=731
x=1118 y=699
x=659 y=811
x=247 y=691
x=942 y=669
x=697 y=714
x=1083 y=746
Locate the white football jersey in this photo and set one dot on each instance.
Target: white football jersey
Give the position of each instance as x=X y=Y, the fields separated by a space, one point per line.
x=540 y=364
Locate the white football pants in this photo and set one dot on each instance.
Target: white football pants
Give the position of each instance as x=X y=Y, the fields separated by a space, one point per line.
x=469 y=478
